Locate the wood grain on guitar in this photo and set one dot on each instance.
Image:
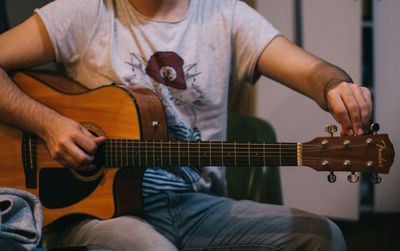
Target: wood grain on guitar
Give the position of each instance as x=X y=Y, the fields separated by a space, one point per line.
x=134 y=124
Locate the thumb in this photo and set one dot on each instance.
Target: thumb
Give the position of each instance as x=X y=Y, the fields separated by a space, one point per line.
x=99 y=140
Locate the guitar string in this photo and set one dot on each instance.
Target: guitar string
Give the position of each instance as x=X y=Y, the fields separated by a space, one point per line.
x=216 y=146
x=216 y=149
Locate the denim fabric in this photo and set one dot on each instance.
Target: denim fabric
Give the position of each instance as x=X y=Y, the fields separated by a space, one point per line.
x=198 y=221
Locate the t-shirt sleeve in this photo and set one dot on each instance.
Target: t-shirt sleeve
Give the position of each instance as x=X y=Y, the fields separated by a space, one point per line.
x=69 y=24
x=251 y=35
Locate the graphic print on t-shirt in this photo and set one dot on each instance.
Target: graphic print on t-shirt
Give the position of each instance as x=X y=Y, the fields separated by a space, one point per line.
x=167 y=68
x=176 y=86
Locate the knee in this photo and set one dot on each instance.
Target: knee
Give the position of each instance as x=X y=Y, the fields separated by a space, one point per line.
x=314 y=232
x=124 y=234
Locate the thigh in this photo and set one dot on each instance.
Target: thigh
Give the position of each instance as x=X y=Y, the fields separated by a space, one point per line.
x=204 y=222
x=125 y=233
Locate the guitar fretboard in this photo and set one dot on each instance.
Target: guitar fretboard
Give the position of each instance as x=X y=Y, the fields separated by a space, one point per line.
x=138 y=153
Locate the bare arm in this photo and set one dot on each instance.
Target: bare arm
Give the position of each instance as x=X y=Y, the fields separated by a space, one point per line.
x=332 y=88
x=26 y=46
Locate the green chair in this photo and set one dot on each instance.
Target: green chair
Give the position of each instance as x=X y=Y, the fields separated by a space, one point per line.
x=261 y=184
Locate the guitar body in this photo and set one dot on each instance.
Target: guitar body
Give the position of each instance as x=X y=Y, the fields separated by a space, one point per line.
x=113 y=111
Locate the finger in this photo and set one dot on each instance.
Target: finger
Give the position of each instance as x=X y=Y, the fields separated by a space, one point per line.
x=65 y=159
x=339 y=112
x=85 y=140
x=363 y=99
x=353 y=109
x=368 y=98
x=99 y=140
x=80 y=158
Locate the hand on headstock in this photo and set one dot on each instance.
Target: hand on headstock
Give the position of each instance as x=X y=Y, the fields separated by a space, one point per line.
x=371 y=153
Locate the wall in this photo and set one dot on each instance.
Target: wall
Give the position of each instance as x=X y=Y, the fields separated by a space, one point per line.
x=19 y=10
x=387 y=91
x=332 y=30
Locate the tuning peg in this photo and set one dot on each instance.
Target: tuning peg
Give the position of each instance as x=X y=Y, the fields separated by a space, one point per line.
x=353 y=178
x=374 y=128
x=332 y=177
x=331 y=129
x=375 y=178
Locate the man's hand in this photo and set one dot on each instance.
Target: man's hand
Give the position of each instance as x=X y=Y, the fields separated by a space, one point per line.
x=326 y=84
x=71 y=144
x=351 y=106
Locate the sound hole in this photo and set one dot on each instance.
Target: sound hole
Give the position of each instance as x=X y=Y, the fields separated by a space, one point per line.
x=60 y=188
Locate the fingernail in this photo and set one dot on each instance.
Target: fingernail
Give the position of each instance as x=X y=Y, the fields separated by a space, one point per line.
x=360 y=131
x=350 y=132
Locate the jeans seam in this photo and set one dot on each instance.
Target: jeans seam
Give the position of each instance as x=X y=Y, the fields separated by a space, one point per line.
x=172 y=200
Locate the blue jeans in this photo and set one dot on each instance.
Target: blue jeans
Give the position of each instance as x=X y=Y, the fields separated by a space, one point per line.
x=198 y=221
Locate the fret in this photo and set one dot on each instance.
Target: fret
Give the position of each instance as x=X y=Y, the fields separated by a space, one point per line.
x=140 y=153
x=179 y=154
x=210 y=152
x=198 y=150
x=107 y=154
x=154 y=155
x=158 y=153
x=161 y=150
x=290 y=159
x=223 y=154
x=127 y=152
x=235 y=154
x=188 y=153
x=169 y=145
x=249 y=153
x=204 y=154
x=228 y=153
x=280 y=154
x=146 y=153
x=133 y=152
x=115 y=154
x=120 y=152
x=264 y=155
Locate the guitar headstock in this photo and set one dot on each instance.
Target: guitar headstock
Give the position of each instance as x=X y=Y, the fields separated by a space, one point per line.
x=365 y=153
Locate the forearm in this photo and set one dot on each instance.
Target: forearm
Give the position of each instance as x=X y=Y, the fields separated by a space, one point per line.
x=322 y=78
x=294 y=67
x=19 y=110
x=328 y=85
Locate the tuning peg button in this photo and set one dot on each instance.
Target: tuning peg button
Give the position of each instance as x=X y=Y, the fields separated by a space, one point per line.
x=332 y=177
x=375 y=178
x=353 y=178
x=374 y=128
x=331 y=129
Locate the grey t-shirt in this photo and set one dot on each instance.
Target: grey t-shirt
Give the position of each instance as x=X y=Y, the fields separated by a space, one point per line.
x=193 y=65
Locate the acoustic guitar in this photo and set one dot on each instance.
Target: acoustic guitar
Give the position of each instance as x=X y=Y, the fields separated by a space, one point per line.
x=134 y=124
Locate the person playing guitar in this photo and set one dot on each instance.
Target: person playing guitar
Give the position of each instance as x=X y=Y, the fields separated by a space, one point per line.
x=189 y=53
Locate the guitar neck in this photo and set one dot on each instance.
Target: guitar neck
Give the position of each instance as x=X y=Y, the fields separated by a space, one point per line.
x=138 y=153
